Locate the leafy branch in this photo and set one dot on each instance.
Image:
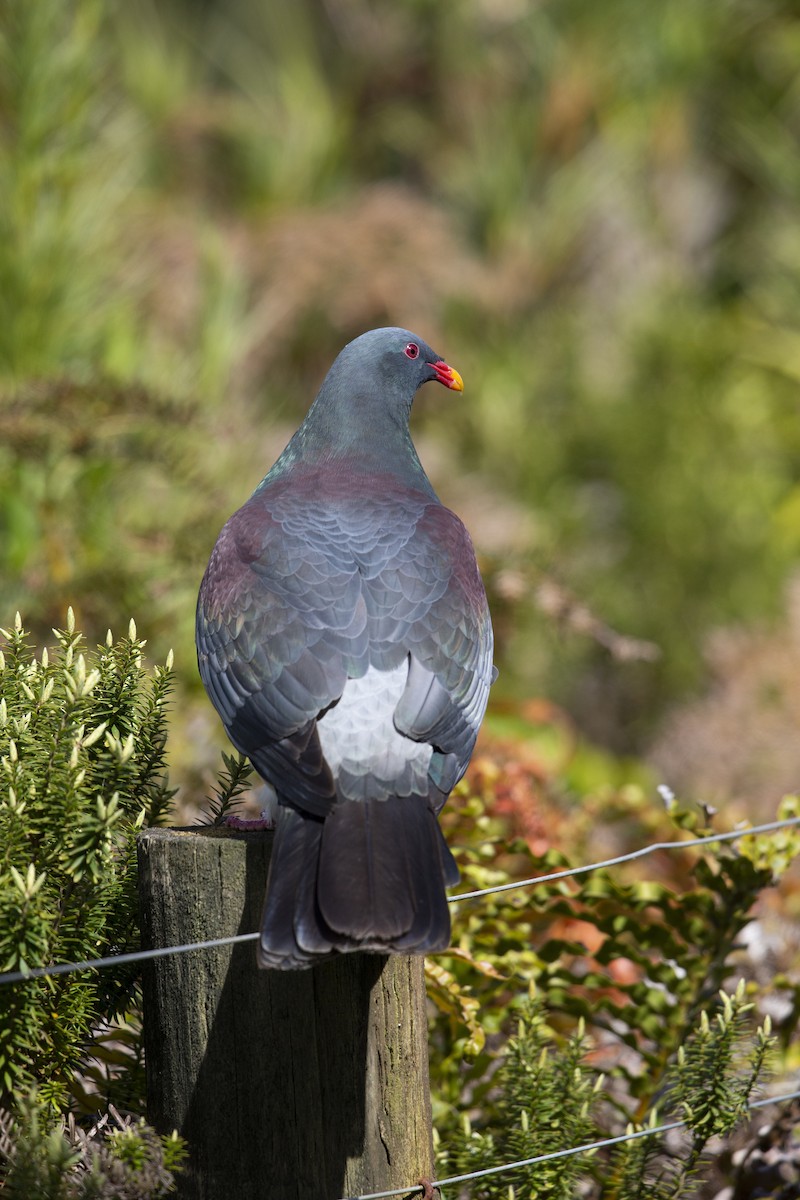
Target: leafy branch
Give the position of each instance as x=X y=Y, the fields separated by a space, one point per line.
x=232 y=783
x=82 y=768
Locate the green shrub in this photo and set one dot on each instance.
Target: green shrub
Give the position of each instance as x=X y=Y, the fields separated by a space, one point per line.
x=54 y=1159
x=550 y=1096
x=82 y=746
x=628 y=972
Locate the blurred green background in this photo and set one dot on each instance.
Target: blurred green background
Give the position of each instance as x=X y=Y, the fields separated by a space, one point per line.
x=592 y=211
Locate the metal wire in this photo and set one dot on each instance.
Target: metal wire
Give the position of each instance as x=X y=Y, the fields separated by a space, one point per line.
x=732 y=836
x=143 y=955
x=586 y=1148
x=114 y=960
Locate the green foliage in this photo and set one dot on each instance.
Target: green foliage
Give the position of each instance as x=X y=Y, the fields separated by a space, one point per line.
x=626 y=969
x=83 y=745
x=710 y=1084
x=234 y=780
x=112 y=1068
x=614 y=196
x=99 y=420
x=711 y=1097
x=593 y=211
x=594 y=215
x=83 y=501
x=63 y=176
x=550 y=1096
x=41 y=1156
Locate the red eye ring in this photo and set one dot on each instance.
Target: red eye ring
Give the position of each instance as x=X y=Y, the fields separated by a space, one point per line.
x=411 y=350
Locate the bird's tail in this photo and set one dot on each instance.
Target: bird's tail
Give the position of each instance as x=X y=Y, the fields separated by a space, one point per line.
x=370 y=876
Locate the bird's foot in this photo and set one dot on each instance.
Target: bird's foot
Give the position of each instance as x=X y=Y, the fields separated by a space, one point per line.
x=265 y=821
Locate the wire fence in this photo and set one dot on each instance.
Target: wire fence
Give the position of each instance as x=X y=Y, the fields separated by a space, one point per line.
x=732 y=836
x=112 y=960
x=586 y=1148
x=11 y=977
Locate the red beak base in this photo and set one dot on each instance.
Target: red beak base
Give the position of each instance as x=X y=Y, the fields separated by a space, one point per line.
x=448 y=376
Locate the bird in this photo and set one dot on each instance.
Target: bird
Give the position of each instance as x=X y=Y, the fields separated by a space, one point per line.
x=344 y=638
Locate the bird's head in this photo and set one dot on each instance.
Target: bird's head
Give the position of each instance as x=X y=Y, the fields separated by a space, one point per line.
x=361 y=414
x=398 y=360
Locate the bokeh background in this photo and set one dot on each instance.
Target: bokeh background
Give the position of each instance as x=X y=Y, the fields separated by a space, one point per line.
x=592 y=210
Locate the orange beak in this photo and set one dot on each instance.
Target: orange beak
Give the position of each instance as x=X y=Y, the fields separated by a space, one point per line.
x=448 y=376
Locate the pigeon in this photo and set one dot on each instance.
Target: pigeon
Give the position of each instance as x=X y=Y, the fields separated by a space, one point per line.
x=344 y=637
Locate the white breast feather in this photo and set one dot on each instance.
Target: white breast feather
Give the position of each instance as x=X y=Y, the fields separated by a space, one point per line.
x=366 y=754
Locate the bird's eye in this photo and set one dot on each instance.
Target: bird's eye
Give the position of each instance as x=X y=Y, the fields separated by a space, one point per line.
x=411 y=350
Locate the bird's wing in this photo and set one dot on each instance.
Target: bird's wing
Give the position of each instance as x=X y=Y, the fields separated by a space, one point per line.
x=449 y=641
x=301 y=595
x=281 y=625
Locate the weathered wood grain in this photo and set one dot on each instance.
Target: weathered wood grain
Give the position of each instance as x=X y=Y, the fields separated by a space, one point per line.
x=300 y=1085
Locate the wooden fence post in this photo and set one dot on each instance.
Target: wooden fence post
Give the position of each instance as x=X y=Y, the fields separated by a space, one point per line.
x=288 y=1085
